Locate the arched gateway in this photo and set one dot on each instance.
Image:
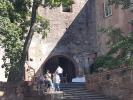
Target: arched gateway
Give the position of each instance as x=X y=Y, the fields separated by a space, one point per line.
x=67 y=64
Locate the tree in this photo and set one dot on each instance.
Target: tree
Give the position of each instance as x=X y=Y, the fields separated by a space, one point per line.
x=36 y=3
x=10 y=35
x=121 y=49
x=15 y=13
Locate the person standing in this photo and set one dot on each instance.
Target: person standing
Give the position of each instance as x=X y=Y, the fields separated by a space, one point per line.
x=40 y=81
x=92 y=61
x=56 y=81
x=48 y=74
x=59 y=71
x=49 y=82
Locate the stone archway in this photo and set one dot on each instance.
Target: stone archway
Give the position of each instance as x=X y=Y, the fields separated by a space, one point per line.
x=66 y=63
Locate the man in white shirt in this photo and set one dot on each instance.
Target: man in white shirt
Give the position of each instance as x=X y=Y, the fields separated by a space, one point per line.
x=56 y=80
x=59 y=71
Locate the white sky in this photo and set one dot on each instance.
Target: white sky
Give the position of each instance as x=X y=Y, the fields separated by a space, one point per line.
x=2 y=74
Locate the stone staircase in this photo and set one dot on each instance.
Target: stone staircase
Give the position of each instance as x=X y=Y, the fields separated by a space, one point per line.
x=77 y=91
x=69 y=91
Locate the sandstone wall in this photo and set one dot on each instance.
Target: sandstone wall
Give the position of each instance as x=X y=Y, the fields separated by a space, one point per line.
x=116 y=84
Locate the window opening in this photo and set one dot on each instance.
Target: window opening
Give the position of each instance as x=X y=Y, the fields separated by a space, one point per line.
x=107 y=9
x=66 y=8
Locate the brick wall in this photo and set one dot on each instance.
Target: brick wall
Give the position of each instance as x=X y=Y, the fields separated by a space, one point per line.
x=120 y=18
x=116 y=84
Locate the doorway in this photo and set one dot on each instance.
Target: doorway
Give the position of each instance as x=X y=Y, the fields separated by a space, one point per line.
x=65 y=63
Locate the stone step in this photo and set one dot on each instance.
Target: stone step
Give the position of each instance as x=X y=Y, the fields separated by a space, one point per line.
x=83 y=98
x=73 y=89
x=88 y=95
x=77 y=91
x=72 y=84
x=83 y=94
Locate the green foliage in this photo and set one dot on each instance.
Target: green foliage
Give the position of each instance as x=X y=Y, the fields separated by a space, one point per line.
x=121 y=49
x=125 y=3
x=12 y=15
x=115 y=34
x=106 y=62
x=10 y=35
x=5 y=8
x=42 y=26
x=22 y=7
x=57 y=3
x=14 y=27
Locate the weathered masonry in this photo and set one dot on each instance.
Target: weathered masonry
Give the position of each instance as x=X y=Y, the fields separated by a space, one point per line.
x=70 y=41
x=74 y=40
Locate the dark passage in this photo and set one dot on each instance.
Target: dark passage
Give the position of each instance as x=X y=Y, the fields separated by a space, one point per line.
x=67 y=65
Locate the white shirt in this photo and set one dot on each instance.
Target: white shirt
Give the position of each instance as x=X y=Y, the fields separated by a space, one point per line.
x=56 y=78
x=59 y=70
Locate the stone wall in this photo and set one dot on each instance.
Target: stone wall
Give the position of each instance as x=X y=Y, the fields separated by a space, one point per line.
x=72 y=34
x=116 y=84
x=120 y=18
x=75 y=34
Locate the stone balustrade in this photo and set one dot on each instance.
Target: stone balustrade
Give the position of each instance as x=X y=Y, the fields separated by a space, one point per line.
x=116 y=84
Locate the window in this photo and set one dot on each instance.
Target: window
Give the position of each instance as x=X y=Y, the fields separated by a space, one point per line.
x=67 y=8
x=108 y=77
x=107 y=9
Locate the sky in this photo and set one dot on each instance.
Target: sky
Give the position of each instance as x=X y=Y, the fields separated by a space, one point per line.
x=2 y=74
